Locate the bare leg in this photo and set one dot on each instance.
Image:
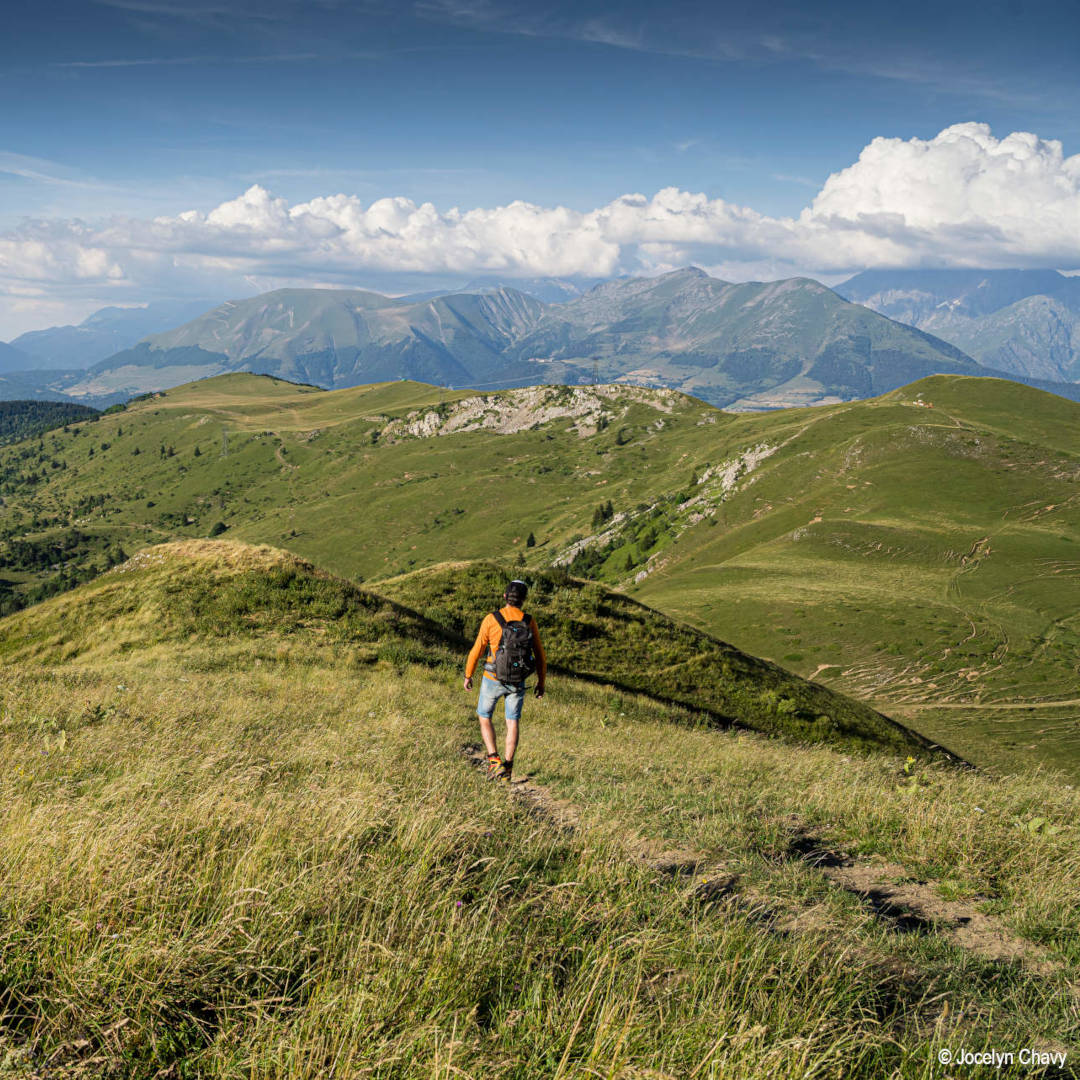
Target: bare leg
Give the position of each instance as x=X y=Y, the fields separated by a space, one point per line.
x=487 y=733
x=511 y=739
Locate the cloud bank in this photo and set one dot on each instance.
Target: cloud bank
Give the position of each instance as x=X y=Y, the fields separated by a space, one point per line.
x=961 y=199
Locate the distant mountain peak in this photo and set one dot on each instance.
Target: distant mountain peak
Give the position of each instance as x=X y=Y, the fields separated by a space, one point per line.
x=13 y=359
x=686 y=271
x=1022 y=322
x=104 y=333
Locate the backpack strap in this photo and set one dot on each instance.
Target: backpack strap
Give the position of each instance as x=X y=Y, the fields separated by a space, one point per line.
x=488 y=664
x=526 y=618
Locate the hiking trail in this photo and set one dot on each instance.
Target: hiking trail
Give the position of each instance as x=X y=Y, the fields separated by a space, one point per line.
x=899 y=900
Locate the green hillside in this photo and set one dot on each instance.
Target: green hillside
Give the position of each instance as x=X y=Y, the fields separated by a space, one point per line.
x=914 y=551
x=914 y=557
x=240 y=839
x=608 y=638
x=206 y=589
x=212 y=588
x=356 y=480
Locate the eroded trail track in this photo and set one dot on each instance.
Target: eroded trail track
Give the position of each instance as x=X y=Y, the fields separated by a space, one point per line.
x=674 y=863
x=902 y=902
x=907 y=903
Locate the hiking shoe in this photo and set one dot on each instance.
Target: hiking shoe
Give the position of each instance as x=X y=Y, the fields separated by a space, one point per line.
x=494 y=766
x=504 y=771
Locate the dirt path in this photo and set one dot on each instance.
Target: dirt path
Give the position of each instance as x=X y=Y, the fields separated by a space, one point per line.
x=561 y=814
x=905 y=707
x=894 y=896
x=279 y=453
x=909 y=904
x=541 y=803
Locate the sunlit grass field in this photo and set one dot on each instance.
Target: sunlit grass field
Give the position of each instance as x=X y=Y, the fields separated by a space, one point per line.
x=241 y=840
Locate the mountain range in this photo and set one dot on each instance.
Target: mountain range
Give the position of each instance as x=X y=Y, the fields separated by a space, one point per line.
x=113 y=329
x=13 y=359
x=1022 y=322
x=102 y=334
x=748 y=346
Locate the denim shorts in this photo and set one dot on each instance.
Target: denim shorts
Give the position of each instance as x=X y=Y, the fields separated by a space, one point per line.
x=493 y=689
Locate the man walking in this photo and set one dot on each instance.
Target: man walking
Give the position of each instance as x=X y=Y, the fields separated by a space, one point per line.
x=512 y=642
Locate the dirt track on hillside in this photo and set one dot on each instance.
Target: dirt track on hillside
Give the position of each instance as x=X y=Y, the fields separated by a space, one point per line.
x=899 y=900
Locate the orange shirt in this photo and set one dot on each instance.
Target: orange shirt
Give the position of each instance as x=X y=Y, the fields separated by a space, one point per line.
x=491 y=635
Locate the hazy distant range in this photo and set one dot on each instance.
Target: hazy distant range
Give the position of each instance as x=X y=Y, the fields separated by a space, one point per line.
x=741 y=346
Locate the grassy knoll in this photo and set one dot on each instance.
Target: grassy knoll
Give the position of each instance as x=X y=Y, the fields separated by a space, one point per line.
x=240 y=839
x=914 y=550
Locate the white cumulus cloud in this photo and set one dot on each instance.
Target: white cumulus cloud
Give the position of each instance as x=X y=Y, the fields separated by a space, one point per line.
x=962 y=198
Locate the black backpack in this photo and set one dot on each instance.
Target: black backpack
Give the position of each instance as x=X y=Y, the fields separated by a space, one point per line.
x=514 y=658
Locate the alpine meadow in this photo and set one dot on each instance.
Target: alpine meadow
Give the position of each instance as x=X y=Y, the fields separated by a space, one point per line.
x=539 y=540
x=244 y=836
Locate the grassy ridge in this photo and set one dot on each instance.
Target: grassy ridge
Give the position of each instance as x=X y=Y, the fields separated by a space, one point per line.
x=255 y=850
x=909 y=556
x=217 y=589
x=594 y=633
x=906 y=555
x=197 y=589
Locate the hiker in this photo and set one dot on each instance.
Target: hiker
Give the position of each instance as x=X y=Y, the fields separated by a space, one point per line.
x=512 y=641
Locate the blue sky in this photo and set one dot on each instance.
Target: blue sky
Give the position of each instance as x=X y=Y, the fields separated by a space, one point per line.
x=144 y=109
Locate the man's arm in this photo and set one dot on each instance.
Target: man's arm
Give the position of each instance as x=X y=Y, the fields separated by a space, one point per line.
x=474 y=653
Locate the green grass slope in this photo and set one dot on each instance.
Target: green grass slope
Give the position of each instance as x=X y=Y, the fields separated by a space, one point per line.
x=337 y=476
x=192 y=590
x=918 y=557
x=914 y=556
x=240 y=839
x=195 y=589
